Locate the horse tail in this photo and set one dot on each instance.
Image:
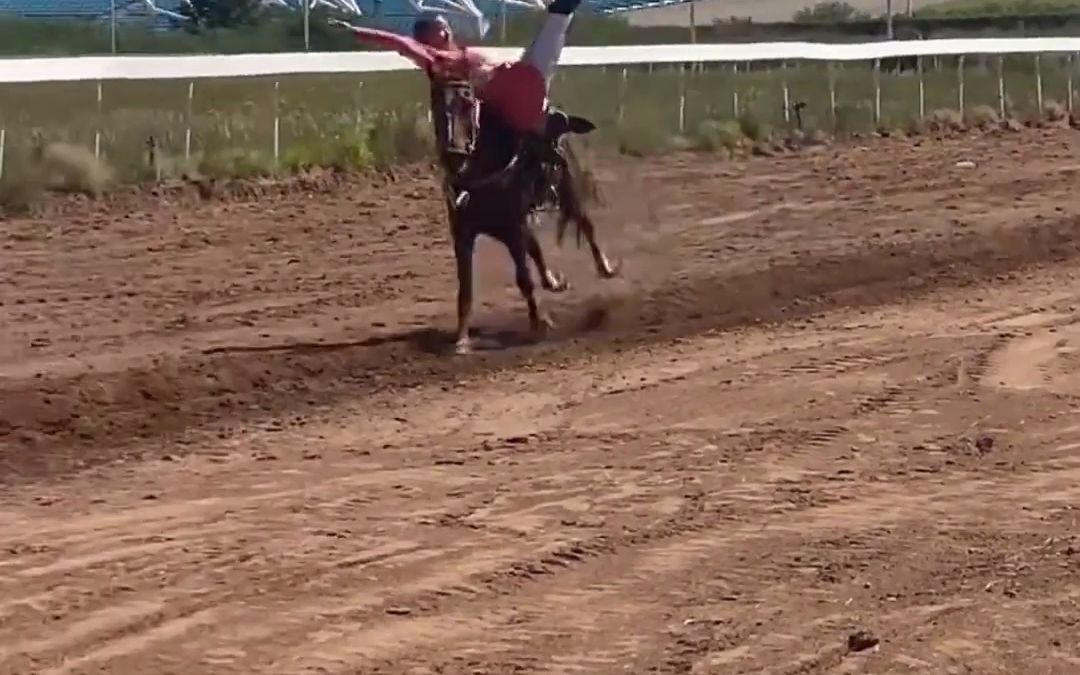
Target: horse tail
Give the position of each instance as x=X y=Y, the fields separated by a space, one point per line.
x=577 y=187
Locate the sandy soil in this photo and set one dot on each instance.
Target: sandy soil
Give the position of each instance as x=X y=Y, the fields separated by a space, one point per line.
x=825 y=424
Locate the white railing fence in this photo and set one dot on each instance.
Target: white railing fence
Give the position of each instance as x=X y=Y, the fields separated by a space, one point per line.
x=696 y=73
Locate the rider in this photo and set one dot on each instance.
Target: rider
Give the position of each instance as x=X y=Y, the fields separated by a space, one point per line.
x=434 y=31
x=516 y=92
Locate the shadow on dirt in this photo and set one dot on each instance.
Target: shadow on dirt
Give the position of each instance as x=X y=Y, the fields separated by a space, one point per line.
x=427 y=340
x=430 y=341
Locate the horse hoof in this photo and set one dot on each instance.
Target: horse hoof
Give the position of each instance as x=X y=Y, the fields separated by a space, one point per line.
x=542 y=326
x=608 y=269
x=555 y=282
x=463 y=347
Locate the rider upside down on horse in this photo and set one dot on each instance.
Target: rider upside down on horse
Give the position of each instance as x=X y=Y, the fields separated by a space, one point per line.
x=515 y=91
x=513 y=96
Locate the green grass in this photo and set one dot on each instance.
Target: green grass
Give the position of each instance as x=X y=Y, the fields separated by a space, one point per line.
x=963 y=8
x=379 y=119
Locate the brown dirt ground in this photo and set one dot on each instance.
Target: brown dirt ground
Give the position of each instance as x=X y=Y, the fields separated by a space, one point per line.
x=833 y=394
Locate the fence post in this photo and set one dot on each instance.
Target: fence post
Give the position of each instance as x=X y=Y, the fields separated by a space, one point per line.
x=1038 y=84
x=682 y=97
x=877 y=93
x=960 y=84
x=307 y=25
x=830 y=69
x=622 y=95
x=1069 y=71
x=786 y=92
x=112 y=26
x=97 y=130
x=919 y=66
x=1001 y=86
x=277 y=125
x=735 y=90
x=187 y=132
x=3 y=143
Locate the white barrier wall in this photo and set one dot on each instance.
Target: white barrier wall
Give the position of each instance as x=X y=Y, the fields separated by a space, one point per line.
x=189 y=68
x=92 y=68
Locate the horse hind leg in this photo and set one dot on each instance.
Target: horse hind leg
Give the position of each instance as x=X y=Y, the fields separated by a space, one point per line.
x=550 y=280
x=572 y=209
x=605 y=268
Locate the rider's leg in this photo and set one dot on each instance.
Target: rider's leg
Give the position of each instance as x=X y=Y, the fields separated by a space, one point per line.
x=518 y=92
x=543 y=54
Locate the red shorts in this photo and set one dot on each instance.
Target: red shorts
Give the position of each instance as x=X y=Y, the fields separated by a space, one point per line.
x=517 y=92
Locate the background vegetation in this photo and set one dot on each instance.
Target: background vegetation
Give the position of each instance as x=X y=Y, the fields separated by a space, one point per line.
x=237 y=26
x=149 y=130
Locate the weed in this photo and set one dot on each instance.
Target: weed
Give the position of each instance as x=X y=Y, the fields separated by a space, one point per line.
x=982 y=117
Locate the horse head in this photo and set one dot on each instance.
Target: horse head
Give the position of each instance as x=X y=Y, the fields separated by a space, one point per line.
x=457 y=117
x=560 y=123
x=521 y=162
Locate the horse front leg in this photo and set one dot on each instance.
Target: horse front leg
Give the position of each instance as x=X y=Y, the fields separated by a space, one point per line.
x=518 y=249
x=464 y=245
x=549 y=279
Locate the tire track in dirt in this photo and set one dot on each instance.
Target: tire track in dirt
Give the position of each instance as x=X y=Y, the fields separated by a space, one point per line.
x=579 y=609
x=626 y=501
x=594 y=662
x=512 y=573
x=535 y=572
x=541 y=589
x=177 y=393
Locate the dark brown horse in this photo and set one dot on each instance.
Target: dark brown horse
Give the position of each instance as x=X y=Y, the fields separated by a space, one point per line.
x=498 y=192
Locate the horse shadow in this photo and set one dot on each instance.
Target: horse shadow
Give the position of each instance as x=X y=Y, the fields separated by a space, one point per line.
x=427 y=340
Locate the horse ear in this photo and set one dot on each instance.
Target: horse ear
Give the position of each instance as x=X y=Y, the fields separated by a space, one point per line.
x=580 y=125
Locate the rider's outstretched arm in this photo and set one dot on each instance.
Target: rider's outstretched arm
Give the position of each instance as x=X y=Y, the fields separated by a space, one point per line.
x=543 y=53
x=406 y=46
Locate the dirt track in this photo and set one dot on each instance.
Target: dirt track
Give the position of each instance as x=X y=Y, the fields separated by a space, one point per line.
x=834 y=393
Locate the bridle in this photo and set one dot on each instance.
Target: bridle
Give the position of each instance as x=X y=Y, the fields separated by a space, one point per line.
x=528 y=153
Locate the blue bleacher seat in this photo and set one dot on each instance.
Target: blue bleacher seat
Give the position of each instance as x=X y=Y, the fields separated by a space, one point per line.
x=92 y=10
x=394 y=14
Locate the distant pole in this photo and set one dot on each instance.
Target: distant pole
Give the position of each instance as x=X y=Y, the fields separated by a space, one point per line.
x=693 y=22
x=910 y=8
x=307 y=25
x=112 y=24
x=888 y=19
x=502 y=23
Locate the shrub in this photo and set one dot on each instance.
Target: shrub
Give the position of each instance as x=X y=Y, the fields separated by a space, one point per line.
x=982 y=116
x=752 y=127
x=946 y=119
x=642 y=141
x=71 y=168
x=714 y=135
